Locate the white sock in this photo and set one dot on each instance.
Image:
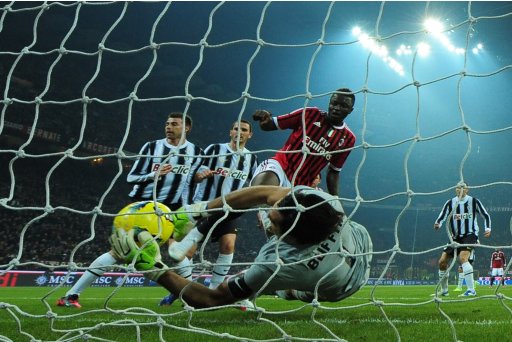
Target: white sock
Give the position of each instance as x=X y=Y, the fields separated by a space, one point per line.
x=96 y=270
x=220 y=272
x=443 y=277
x=178 y=250
x=468 y=275
x=461 y=279
x=184 y=269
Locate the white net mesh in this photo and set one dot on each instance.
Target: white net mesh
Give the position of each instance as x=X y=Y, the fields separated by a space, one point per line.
x=84 y=83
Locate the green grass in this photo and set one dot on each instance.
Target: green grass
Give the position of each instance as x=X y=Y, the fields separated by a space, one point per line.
x=410 y=309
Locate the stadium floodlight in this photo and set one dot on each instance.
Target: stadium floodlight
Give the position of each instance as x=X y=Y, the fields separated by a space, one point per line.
x=433 y=26
x=479 y=46
x=475 y=51
x=380 y=50
x=436 y=28
x=356 y=31
x=423 y=49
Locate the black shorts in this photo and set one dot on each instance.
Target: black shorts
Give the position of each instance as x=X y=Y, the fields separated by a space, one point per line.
x=226 y=226
x=468 y=239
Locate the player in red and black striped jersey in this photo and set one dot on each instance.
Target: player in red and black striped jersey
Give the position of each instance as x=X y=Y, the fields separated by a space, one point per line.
x=498 y=263
x=326 y=136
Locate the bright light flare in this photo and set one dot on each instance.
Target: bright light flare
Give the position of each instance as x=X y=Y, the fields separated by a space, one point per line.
x=382 y=51
x=436 y=28
x=433 y=26
x=423 y=49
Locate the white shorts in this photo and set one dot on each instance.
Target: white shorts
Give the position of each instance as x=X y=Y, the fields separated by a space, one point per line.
x=273 y=165
x=497 y=272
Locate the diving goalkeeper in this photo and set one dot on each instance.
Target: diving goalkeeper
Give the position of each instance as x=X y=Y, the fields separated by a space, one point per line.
x=313 y=244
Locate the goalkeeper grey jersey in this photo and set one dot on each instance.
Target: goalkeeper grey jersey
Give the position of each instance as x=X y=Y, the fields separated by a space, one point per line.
x=304 y=267
x=173 y=188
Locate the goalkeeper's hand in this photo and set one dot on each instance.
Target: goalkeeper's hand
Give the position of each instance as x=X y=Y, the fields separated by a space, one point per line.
x=147 y=257
x=186 y=217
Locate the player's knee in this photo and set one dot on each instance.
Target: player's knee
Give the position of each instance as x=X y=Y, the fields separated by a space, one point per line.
x=227 y=246
x=265 y=178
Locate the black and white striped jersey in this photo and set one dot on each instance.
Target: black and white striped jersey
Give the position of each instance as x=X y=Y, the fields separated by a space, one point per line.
x=463 y=213
x=176 y=187
x=232 y=171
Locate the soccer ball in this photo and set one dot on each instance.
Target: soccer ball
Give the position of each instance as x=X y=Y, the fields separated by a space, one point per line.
x=141 y=215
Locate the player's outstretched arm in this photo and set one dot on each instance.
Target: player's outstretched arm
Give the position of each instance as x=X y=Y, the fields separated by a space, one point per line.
x=125 y=247
x=195 y=294
x=250 y=197
x=265 y=119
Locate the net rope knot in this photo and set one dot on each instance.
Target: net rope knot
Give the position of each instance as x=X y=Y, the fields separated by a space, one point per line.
x=378 y=303
x=63 y=51
x=72 y=266
x=7 y=101
x=86 y=99
x=133 y=96
x=20 y=154
x=160 y=322
x=154 y=46
x=50 y=315
x=14 y=262
x=68 y=153
x=206 y=264
x=49 y=209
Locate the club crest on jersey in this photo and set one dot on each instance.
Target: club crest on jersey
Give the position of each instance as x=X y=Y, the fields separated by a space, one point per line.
x=177 y=169
x=236 y=174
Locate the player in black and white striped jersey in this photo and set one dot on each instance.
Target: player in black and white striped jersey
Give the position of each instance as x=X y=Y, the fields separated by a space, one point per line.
x=231 y=167
x=173 y=178
x=227 y=167
x=168 y=164
x=463 y=210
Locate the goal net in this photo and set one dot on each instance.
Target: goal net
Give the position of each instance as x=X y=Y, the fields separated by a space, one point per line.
x=85 y=84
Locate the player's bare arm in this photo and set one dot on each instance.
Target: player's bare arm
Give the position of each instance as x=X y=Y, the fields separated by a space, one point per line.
x=251 y=196
x=333 y=182
x=195 y=294
x=265 y=120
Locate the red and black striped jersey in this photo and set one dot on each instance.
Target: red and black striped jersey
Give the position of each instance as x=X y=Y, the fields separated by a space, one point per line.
x=498 y=260
x=326 y=144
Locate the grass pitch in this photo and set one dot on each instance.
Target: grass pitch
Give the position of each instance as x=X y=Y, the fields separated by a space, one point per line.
x=398 y=313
